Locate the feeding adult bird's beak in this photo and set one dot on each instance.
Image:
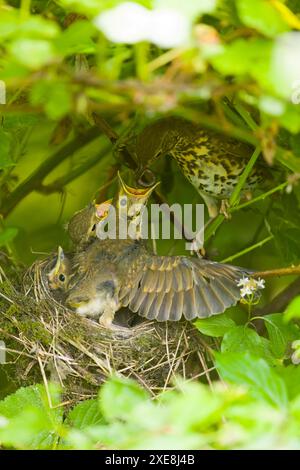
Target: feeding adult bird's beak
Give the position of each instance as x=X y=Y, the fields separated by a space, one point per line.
x=138 y=193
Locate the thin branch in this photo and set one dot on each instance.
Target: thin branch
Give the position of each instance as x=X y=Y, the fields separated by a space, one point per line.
x=60 y=183
x=105 y=127
x=261 y=197
x=34 y=181
x=248 y=249
x=290 y=271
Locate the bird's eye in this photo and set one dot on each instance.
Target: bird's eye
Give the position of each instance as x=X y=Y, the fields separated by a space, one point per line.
x=62 y=277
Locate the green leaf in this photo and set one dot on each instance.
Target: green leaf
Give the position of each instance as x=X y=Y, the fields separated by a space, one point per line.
x=284 y=223
x=280 y=334
x=86 y=413
x=254 y=373
x=55 y=97
x=293 y=309
x=244 y=339
x=290 y=119
x=32 y=53
x=119 y=397
x=77 y=39
x=216 y=325
x=261 y=15
x=291 y=377
x=34 y=27
x=31 y=423
x=5 y=155
x=8 y=235
x=256 y=56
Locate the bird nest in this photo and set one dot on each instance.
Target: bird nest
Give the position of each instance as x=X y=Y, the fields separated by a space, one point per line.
x=45 y=341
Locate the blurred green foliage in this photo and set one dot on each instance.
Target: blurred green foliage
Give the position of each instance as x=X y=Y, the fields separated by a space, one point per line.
x=238 y=72
x=257 y=410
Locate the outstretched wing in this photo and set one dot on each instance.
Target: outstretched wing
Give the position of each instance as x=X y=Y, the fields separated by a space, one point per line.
x=169 y=287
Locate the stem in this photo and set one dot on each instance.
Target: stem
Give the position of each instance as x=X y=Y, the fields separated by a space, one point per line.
x=164 y=59
x=259 y=198
x=141 y=53
x=213 y=226
x=246 y=116
x=247 y=250
x=235 y=195
x=25 y=9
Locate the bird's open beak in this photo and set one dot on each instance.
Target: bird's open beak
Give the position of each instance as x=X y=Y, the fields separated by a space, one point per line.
x=60 y=258
x=142 y=193
x=102 y=209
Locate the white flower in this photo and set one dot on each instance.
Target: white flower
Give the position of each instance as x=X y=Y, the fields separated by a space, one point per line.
x=295 y=357
x=250 y=286
x=130 y=23
x=127 y=23
x=245 y=291
x=169 y=28
x=3 y=421
x=285 y=65
x=243 y=281
x=260 y=283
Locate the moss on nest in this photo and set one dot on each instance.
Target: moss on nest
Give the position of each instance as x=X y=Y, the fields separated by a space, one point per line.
x=47 y=341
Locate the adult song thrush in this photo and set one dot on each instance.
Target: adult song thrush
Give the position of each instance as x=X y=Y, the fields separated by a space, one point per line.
x=211 y=161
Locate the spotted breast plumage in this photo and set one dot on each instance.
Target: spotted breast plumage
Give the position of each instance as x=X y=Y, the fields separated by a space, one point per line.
x=211 y=161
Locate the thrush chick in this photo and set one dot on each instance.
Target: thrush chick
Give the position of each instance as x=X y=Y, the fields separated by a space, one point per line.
x=126 y=211
x=82 y=226
x=120 y=273
x=115 y=273
x=212 y=162
x=60 y=272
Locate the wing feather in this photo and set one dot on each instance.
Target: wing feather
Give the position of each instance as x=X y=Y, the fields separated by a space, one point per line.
x=169 y=287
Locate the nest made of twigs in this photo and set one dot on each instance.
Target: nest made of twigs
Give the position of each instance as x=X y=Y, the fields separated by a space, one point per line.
x=45 y=340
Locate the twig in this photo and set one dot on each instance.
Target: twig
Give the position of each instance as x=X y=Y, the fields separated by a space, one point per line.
x=105 y=128
x=248 y=249
x=291 y=271
x=261 y=197
x=60 y=183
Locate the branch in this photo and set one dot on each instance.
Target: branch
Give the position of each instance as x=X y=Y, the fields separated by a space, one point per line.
x=34 y=181
x=105 y=128
x=60 y=183
x=248 y=249
x=114 y=137
x=292 y=270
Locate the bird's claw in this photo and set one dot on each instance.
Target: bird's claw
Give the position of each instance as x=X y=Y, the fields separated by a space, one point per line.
x=224 y=209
